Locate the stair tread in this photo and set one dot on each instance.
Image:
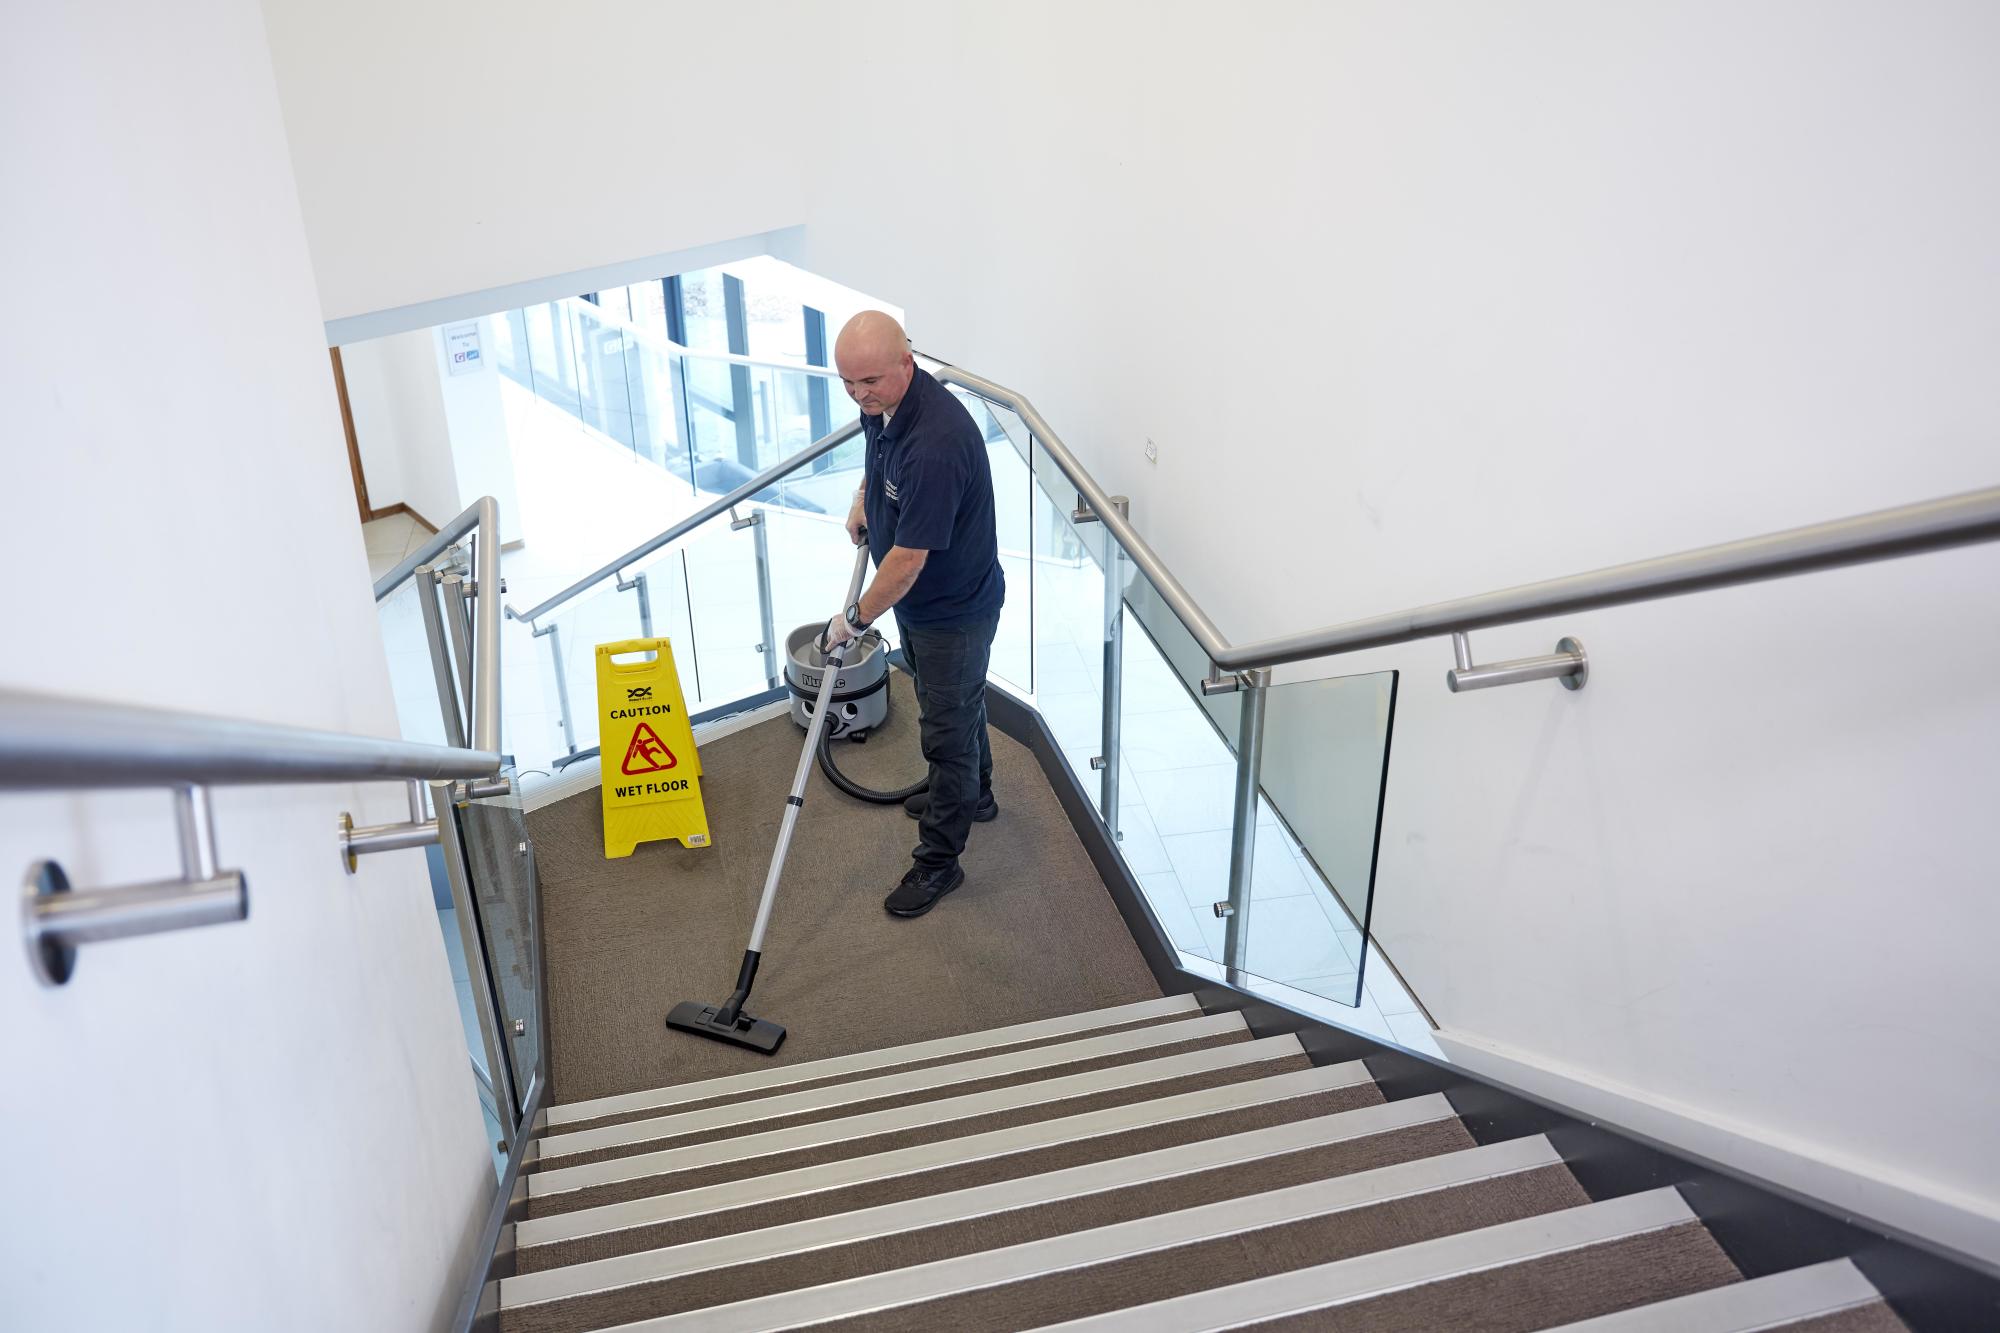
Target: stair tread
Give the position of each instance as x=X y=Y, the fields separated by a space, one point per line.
x=977 y=1202
x=1024 y=1063
x=1778 y=1300
x=764 y=1080
x=1019 y=1263
x=1088 y=1126
x=924 y=1115
x=1312 y=1292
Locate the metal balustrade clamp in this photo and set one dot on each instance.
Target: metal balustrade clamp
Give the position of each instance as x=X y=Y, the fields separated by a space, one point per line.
x=638 y=582
x=1221 y=682
x=1083 y=513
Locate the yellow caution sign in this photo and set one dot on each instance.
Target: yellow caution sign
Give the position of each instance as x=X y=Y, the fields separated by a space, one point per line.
x=652 y=775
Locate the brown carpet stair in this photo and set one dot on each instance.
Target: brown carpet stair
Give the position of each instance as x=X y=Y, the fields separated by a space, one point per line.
x=1146 y=1166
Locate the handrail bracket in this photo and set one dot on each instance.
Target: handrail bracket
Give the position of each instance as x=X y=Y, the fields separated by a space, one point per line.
x=1568 y=664
x=56 y=919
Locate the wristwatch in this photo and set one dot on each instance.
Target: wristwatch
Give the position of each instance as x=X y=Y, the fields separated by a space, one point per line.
x=853 y=618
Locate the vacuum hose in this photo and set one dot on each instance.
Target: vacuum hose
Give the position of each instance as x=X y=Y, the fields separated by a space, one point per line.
x=855 y=789
x=841 y=780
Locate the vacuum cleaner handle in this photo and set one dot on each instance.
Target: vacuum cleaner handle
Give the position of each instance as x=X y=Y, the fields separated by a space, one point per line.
x=728 y=1022
x=797 y=798
x=860 y=570
x=853 y=595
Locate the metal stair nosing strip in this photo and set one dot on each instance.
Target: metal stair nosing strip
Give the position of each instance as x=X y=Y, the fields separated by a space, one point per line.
x=823 y=1133
x=841 y=1066
x=1744 y=1307
x=1083 y=1249
x=1097 y=1177
x=538 y=1231
x=1346 y=1281
x=629 y=1133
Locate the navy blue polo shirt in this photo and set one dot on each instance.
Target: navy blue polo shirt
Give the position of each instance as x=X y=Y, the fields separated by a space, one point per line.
x=929 y=487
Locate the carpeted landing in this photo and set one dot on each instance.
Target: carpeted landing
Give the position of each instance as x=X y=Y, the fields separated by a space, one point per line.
x=1031 y=934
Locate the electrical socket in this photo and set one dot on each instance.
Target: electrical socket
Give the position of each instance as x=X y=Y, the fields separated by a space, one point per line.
x=1152 y=451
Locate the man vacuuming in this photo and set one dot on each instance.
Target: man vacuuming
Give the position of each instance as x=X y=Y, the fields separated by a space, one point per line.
x=927 y=504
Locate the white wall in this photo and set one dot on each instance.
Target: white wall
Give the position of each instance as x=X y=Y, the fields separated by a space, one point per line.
x=481 y=454
x=400 y=426
x=246 y=1127
x=1417 y=300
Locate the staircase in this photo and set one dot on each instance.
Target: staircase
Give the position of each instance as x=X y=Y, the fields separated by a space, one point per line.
x=1145 y=1167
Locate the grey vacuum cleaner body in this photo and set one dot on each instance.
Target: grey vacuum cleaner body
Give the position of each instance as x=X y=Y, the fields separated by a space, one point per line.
x=860 y=699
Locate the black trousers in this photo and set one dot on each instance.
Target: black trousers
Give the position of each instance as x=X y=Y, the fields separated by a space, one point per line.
x=949 y=663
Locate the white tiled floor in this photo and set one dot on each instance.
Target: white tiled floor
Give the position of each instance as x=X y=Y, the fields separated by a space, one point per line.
x=584 y=501
x=390 y=539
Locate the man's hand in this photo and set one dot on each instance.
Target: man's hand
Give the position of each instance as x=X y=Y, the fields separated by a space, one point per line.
x=857 y=522
x=838 y=631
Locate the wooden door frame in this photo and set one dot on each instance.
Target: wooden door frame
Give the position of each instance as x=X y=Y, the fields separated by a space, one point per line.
x=353 y=443
x=368 y=511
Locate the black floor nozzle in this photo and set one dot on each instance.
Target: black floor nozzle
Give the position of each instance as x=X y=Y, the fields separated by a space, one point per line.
x=727 y=1021
x=700 y=1019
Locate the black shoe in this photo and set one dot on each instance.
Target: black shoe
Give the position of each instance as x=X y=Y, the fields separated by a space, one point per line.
x=985 y=812
x=921 y=889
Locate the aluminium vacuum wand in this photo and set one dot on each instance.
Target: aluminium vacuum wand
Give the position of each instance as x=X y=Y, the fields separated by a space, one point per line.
x=727 y=1021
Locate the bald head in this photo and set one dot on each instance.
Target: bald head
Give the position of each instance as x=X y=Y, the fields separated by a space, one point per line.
x=873 y=355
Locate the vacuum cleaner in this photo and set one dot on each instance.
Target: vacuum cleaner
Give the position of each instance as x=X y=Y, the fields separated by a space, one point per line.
x=858 y=705
x=727 y=1021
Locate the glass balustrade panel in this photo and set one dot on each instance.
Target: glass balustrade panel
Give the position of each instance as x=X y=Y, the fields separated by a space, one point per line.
x=420 y=717
x=652 y=381
x=551 y=357
x=1302 y=922
x=1325 y=753
x=720 y=659
x=1074 y=607
x=510 y=348
x=1013 y=657
x=501 y=864
x=811 y=564
x=1177 y=770
x=600 y=348
x=412 y=680
x=602 y=614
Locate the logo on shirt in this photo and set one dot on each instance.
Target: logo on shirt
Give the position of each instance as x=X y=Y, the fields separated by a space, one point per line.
x=889 y=489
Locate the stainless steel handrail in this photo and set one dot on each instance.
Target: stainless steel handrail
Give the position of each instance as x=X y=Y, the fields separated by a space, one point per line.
x=485 y=703
x=1933 y=525
x=770 y=475
x=1107 y=510
x=51 y=742
x=482 y=515
x=470 y=518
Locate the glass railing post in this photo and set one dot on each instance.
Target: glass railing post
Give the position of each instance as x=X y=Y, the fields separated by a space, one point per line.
x=427 y=577
x=760 y=536
x=684 y=417
x=638 y=584
x=1243 y=829
x=1114 y=674
x=458 y=619
x=553 y=633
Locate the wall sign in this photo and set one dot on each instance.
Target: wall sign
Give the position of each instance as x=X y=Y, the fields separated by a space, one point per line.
x=461 y=348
